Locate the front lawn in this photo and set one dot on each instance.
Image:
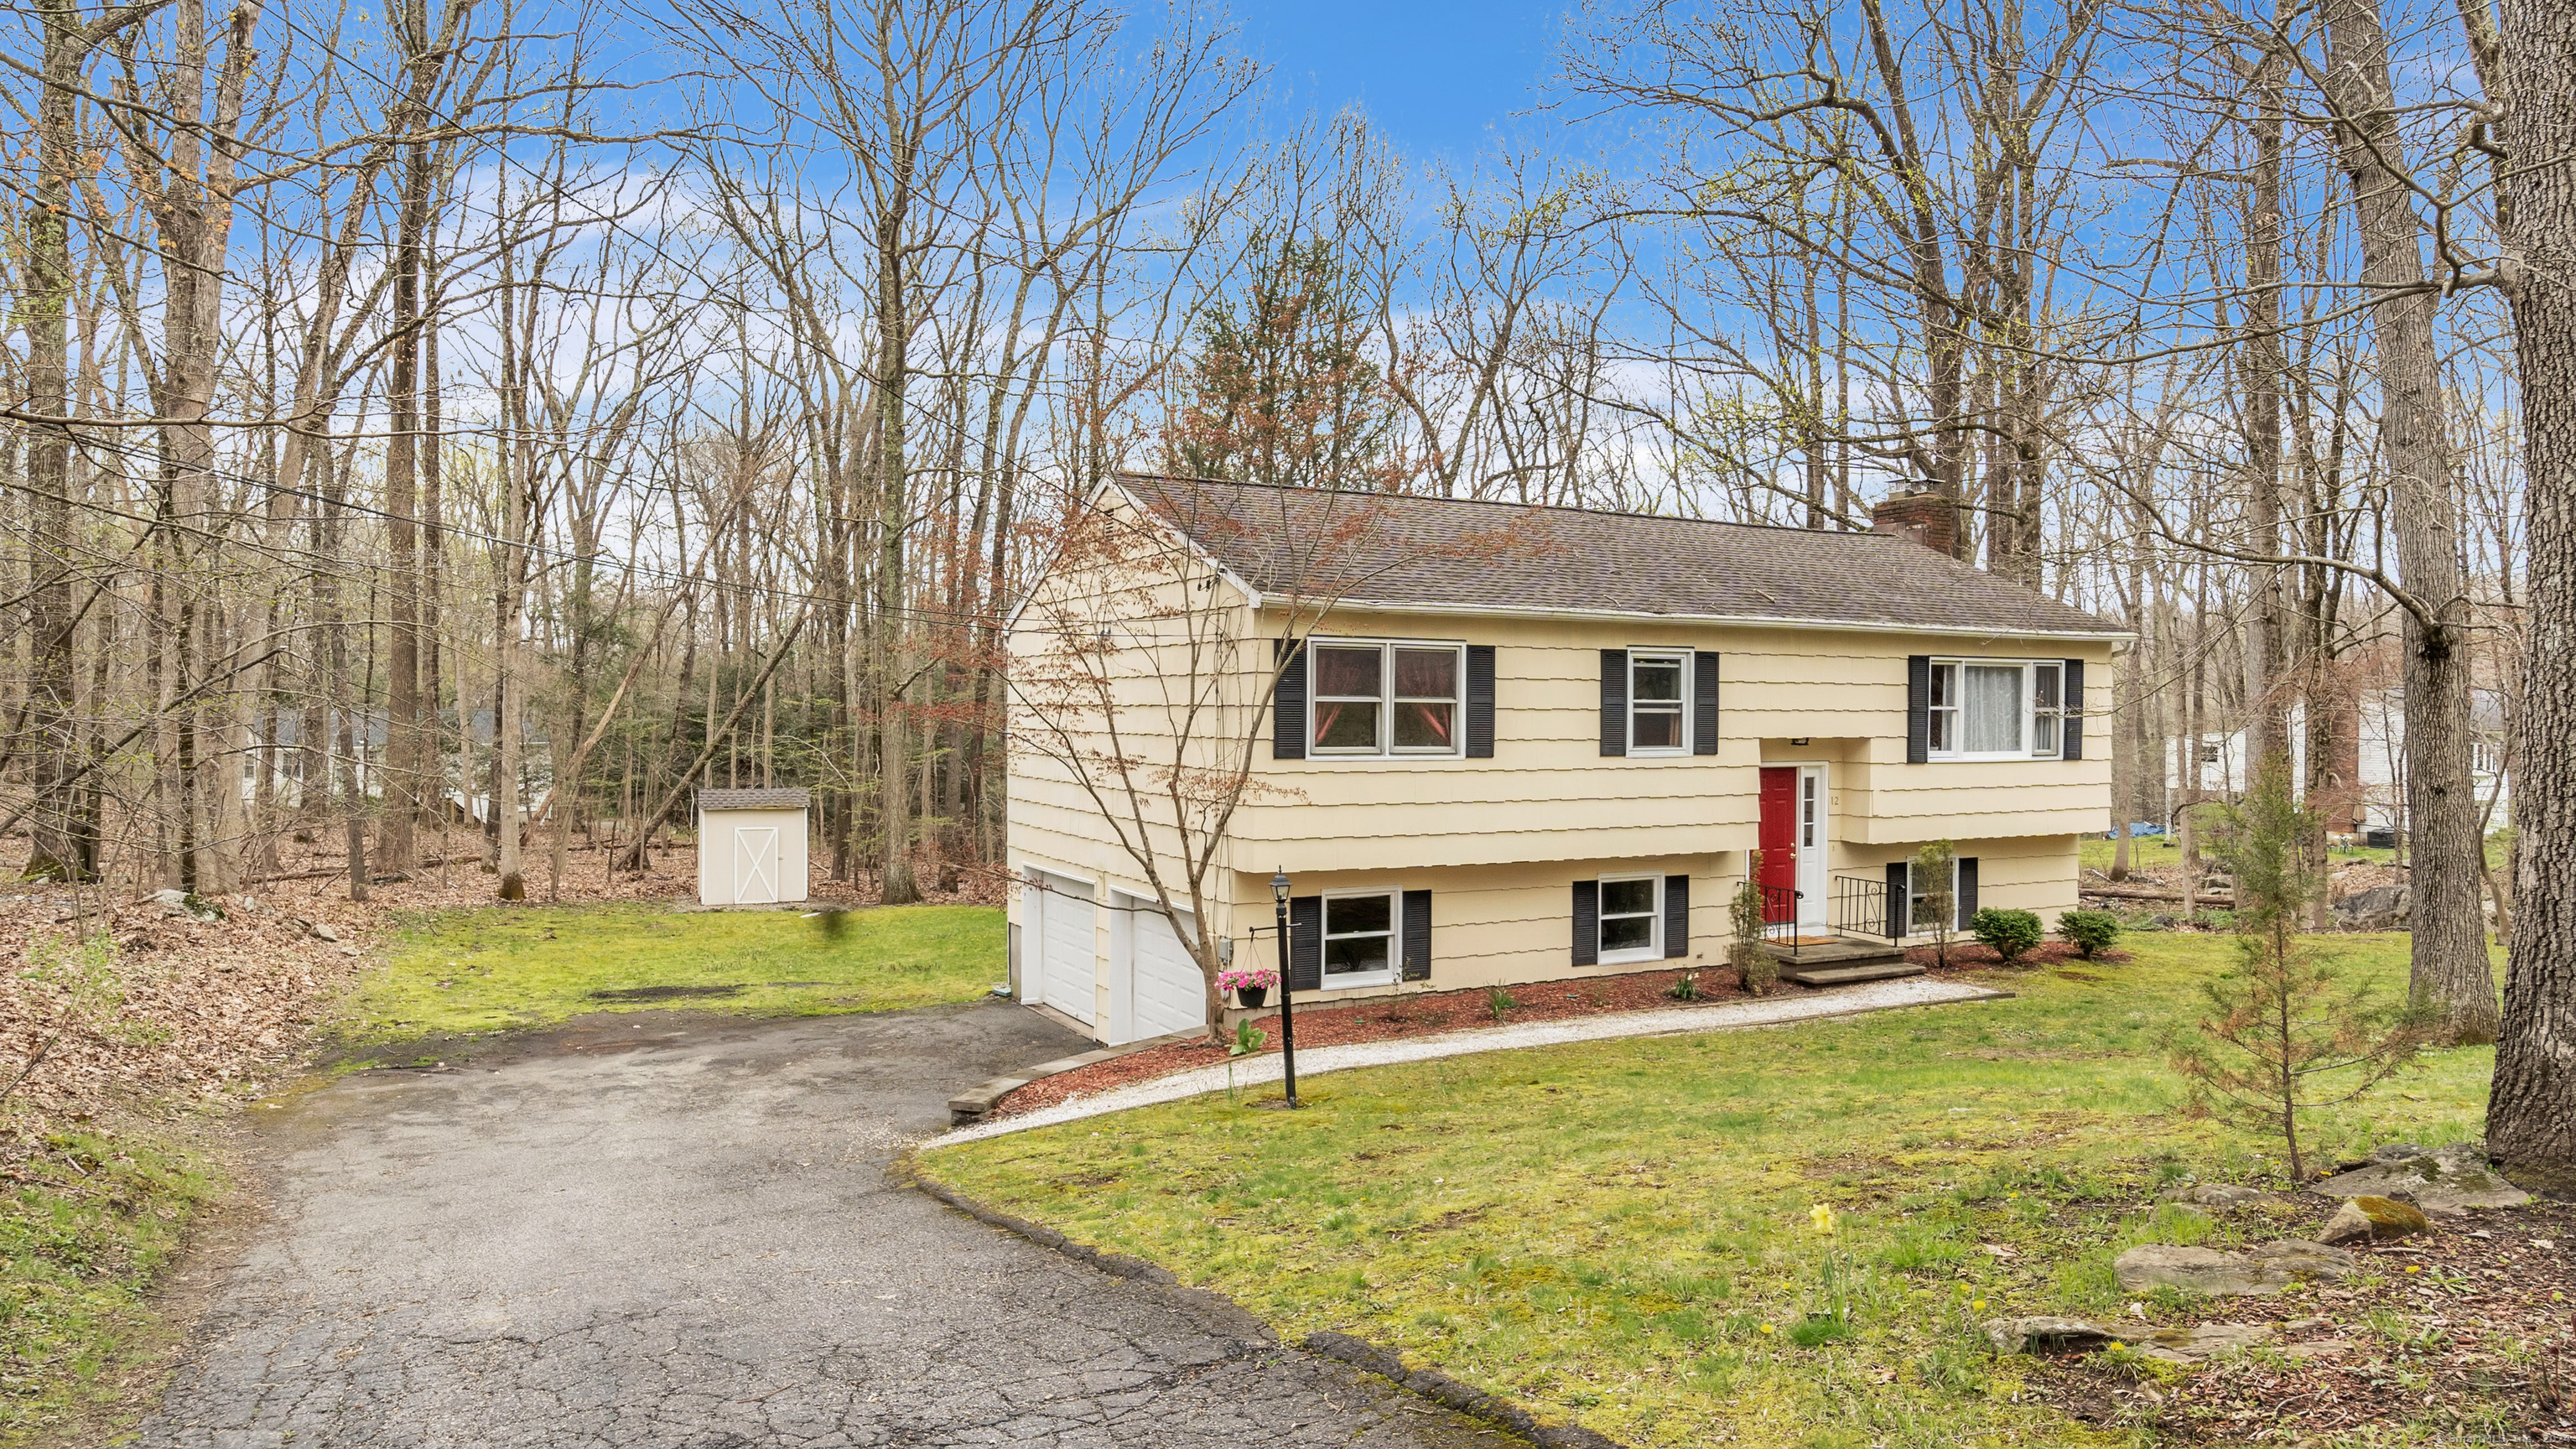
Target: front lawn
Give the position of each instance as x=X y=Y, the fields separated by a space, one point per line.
x=500 y=968
x=1627 y=1233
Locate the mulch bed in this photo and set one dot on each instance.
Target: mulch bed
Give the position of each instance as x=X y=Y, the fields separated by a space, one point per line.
x=1387 y=1019
x=1972 y=956
x=2484 y=1326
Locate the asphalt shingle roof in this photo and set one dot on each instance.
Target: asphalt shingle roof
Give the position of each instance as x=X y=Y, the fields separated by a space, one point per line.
x=780 y=799
x=1462 y=555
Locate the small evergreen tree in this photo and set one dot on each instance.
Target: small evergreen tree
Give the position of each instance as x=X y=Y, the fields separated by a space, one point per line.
x=2283 y=1035
x=1936 y=865
x=1754 y=964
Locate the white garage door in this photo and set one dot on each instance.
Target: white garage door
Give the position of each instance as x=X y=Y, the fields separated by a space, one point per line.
x=1065 y=947
x=1168 y=993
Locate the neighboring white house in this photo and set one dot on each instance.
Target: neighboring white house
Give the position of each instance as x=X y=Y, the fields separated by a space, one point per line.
x=751 y=847
x=2380 y=763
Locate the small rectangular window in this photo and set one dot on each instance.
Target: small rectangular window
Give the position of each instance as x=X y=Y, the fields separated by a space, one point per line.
x=1945 y=708
x=2047 y=708
x=1632 y=918
x=1426 y=699
x=1655 y=686
x=1359 y=939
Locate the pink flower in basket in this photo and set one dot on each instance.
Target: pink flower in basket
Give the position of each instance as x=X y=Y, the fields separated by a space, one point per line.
x=1236 y=978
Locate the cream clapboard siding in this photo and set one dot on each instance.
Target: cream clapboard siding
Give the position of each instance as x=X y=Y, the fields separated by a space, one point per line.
x=1549 y=794
x=1052 y=823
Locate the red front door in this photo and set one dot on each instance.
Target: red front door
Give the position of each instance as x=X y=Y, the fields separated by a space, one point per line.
x=1779 y=838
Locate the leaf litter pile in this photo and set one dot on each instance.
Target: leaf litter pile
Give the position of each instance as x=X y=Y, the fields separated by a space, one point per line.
x=2466 y=1333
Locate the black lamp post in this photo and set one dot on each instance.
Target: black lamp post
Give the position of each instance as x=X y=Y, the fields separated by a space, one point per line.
x=1287 y=990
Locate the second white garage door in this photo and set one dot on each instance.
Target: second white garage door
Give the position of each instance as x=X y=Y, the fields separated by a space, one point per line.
x=1066 y=947
x=1164 y=991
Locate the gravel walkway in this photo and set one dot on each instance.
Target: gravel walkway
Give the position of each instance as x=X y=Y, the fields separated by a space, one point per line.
x=1727 y=1016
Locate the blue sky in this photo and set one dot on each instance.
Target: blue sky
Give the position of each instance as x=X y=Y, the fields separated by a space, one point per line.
x=1435 y=73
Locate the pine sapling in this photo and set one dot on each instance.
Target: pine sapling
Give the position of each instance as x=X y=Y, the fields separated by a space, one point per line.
x=2283 y=1034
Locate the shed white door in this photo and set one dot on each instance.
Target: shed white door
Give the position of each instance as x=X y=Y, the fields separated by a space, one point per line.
x=1165 y=986
x=1066 y=947
x=755 y=865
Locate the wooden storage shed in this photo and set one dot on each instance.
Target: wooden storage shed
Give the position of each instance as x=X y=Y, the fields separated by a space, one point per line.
x=751 y=847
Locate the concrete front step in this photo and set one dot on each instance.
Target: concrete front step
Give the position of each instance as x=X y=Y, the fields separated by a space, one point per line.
x=1847 y=975
x=1845 y=952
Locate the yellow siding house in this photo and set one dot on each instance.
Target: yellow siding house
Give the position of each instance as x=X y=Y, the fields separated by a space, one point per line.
x=1491 y=744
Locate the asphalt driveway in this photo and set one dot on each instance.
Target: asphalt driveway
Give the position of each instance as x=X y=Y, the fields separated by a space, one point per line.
x=678 y=1231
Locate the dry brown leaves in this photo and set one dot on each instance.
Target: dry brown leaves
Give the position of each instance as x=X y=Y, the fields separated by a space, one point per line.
x=2457 y=1337
x=213 y=1005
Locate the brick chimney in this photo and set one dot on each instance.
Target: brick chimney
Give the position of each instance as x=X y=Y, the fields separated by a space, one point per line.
x=1927 y=518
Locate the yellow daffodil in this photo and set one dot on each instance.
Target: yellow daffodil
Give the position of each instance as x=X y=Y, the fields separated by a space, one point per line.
x=1822 y=1215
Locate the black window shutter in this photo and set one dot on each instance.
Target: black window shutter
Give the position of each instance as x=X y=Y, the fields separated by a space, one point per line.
x=1967 y=890
x=2070 y=735
x=1614 y=701
x=1417 y=935
x=1305 y=943
x=1918 y=708
x=1288 y=703
x=1480 y=701
x=1704 y=702
x=1587 y=923
x=1900 y=879
x=1677 y=912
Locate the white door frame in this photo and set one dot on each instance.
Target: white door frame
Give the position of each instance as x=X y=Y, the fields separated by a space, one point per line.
x=1813 y=814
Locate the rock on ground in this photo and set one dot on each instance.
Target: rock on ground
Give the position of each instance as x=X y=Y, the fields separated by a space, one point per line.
x=2372 y=1220
x=2267 y=1269
x=2380 y=908
x=2439 y=1180
x=2174 y=1345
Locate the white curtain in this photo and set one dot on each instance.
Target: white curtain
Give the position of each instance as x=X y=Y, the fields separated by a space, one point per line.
x=1993 y=710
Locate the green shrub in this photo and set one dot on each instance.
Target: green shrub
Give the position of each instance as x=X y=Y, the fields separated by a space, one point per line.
x=2089 y=932
x=2010 y=933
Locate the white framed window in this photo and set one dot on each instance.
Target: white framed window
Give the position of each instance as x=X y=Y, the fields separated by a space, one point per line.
x=1657 y=681
x=1632 y=919
x=1811 y=808
x=1384 y=697
x=1997 y=709
x=1359 y=939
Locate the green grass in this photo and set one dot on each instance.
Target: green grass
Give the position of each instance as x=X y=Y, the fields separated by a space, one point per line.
x=505 y=968
x=92 y=1219
x=1622 y=1233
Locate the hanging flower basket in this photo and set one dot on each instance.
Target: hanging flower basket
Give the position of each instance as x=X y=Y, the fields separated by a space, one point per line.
x=1250 y=984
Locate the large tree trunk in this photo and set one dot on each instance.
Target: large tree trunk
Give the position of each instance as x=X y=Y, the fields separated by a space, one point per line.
x=2450 y=976
x=2531 y=1117
x=65 y=837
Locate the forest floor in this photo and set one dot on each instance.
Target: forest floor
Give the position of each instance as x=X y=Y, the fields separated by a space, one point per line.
x=133 y=1033
x=1794 y=1236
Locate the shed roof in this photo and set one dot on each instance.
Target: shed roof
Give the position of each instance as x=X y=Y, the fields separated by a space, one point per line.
x=1456 y=555
x=752 y=799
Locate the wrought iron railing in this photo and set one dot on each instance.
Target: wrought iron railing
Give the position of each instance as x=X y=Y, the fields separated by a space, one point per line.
x=1864 y=906
x=1780 y=916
